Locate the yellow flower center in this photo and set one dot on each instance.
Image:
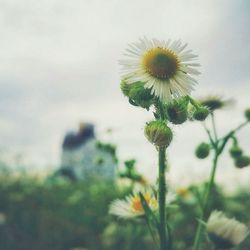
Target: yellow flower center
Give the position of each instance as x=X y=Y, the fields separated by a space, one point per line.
x=183 y=192
x=161 y=63
x=137 y=205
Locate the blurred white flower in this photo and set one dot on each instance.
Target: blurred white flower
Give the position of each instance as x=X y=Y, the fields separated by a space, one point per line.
x=2 y=218
x=225 y=232
x=164 y=66
x=131 y=206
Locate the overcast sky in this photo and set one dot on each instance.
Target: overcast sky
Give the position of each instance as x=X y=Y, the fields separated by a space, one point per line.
x=59 y=66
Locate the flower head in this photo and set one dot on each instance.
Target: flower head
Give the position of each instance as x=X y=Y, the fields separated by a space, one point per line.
x=131 y=206
x=215 y=102
x=225 y=233
x=235 y=151
x=164 y=67
x=242 y=161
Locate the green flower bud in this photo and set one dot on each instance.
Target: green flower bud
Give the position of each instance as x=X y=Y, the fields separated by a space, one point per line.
x=235 y=151
x=141 y=96
x=202 y=151
x=158 y=133
x=177 y=111
x=201 y=113
x=247 y=114
x=125 y=88
x=242 y=161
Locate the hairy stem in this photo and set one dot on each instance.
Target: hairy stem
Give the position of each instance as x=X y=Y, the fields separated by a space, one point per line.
x=162 y=198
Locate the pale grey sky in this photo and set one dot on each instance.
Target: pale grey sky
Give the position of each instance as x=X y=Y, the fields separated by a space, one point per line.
x=59 y=65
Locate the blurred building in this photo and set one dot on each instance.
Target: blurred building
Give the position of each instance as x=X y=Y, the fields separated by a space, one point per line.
x=84 y=157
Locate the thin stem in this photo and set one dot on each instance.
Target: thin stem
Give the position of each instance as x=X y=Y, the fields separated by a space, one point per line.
x=162 y=198
x=205 y=203
x=218 y=149
x=230 y=134
x=214 y=142
x=243 y=124
x=214 y=127
x=209 y=134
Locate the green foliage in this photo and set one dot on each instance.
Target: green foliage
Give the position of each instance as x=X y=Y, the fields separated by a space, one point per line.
x=109 y=148
x=53 y=215
x=56 y=214
x=130 y=172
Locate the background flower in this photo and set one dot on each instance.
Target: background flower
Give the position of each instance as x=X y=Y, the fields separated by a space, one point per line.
x=225 y=232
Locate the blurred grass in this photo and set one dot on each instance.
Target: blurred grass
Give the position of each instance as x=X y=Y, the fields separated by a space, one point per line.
x=56 y=214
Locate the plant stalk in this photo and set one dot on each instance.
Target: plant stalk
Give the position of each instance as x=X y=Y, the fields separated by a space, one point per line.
x=199 y=231
x=162 y=199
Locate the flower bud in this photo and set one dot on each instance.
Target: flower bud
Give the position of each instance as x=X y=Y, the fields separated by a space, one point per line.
x=141 y=96
x=201 y=113
x=125 y=88
x=242 y=161
x=158 y=133
x=202 y=151
x=247 y=114
x=177 y=111
x=235 y=151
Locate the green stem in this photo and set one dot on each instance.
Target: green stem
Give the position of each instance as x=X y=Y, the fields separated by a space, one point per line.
x=209 y=135
x=214 y=141
x=199 y=231
x=214 y=127
x=230 y=134
x=218 y=149
x=162 y=198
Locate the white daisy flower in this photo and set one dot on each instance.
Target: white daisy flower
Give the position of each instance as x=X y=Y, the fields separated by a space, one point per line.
x=225 y=232
x=164 y=66
x=131 y=206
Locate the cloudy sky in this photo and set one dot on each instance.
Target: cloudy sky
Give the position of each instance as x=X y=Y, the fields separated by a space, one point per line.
x=58 y=66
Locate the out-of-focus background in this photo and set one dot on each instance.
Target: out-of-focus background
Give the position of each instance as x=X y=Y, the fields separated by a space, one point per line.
x=59 y=87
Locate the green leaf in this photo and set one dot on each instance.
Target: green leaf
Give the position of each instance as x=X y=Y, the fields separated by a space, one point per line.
x=150 y=216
